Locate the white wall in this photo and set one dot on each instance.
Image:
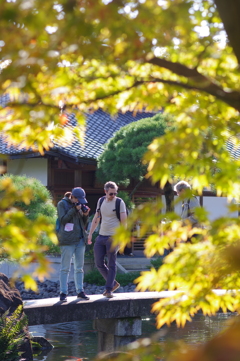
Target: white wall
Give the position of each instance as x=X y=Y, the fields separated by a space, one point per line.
x=216 y=206
x=31 y=167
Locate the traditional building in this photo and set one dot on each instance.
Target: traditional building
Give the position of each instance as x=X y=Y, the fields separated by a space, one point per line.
x=66 y=166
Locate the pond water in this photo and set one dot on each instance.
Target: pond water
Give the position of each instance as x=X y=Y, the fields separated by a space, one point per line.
x=74 y=341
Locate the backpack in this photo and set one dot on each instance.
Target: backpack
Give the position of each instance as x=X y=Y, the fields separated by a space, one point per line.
x=189 y=213
x=58 y=223
x=117 y=205
x=188 y=202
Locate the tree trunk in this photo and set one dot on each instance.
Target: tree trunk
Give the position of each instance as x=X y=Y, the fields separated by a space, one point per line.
x=229 y=11
x=135 y=188
x=169 y=197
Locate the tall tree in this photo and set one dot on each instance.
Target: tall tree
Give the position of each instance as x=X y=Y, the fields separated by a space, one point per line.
x=124 y=55
x=182 y=55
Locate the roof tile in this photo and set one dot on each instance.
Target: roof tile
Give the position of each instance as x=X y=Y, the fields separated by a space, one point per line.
x=100 y=127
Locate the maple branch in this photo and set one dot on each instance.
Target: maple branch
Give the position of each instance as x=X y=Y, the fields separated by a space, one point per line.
x=199 y=82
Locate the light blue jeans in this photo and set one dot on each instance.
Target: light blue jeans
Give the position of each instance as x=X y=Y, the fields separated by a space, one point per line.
x=76 y=251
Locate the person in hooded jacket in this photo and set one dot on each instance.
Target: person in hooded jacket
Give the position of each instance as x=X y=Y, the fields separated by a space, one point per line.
x=73 y=216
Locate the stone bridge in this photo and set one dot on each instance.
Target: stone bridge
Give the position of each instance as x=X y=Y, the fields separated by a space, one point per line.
x=117 y=320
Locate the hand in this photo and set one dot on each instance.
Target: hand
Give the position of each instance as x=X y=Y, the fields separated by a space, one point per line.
x=87 y=210
x=89 y=241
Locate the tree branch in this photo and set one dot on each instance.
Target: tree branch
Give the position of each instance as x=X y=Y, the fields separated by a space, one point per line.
x=196 y=81
x=199 y=82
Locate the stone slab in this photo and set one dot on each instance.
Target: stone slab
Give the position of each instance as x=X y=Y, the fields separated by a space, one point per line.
x=122 y=305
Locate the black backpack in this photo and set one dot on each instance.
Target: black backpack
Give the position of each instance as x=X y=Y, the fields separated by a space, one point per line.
x=117 y=206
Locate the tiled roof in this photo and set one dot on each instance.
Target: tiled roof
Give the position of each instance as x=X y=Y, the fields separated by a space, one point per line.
x=233 y=149
x=99 y=128
x=7 y=149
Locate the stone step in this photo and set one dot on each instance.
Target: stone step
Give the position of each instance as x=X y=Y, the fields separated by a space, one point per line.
x=8 y=268
x=133 y=264
x=125 y=264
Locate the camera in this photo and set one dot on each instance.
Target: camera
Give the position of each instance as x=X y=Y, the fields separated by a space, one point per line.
x=84 y=208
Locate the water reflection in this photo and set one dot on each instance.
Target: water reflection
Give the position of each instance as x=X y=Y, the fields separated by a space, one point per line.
x=75 y=341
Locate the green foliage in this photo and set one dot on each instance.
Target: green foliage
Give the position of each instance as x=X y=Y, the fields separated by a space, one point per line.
x=11 y=334
x=39 y=205
x=135 y=55
x=51 y=247
x=156 y=263
x=41 y=201
x=194 y=270
x=94 y=277
x=20 y=231
x=89 y=253
x=127 y=278
x=125 y=196
x=121 y=160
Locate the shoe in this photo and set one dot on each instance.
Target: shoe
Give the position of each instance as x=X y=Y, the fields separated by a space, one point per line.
x=117 y=285
x=63 y=297
x=131 y=254
x=108 y=294
x=83 y=296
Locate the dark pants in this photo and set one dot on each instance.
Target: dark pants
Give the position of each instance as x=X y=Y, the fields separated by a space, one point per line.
x=103 y=247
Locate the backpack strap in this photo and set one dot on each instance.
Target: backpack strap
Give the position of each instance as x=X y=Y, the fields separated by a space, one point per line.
x=188 y=210
x=118 y=202
x=188 y=202
x=100 y=203
x=117 y=206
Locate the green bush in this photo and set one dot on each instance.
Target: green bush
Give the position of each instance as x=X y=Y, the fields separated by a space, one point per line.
x=126 y=278
x=89 y=248
x=156 y=263
x=125 y=197
x=40 y=204
x=94 y=277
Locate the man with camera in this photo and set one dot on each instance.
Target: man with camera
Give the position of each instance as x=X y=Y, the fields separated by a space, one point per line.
x=73 y=215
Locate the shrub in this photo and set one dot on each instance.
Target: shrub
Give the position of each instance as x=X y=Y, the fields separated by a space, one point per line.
x=156 y=263
x=11 y=335
x=94 y=277
x=126 y=278
x=40 y=204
